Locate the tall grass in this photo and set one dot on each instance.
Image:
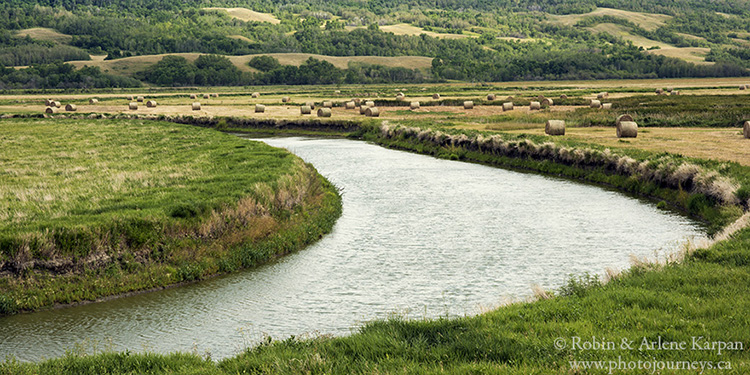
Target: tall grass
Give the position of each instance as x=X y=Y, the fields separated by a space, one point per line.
x=131 y=205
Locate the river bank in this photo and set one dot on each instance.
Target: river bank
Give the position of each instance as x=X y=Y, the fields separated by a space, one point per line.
x=700 y=294
x=129 y=206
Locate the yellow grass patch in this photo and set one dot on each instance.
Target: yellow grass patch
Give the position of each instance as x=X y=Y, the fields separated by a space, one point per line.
x=43 y=33
x=406 y=29
x=130 y=65
x=696 y=55
x=248 y=15
x=706 y=143
x=648 y=21
x=624 y=33
x=240 y=37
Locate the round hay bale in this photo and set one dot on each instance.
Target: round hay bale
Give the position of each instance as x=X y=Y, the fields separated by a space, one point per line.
x=93 y=101
x=540 y=98
x=151 y=104
x=535 y=106
x=196 y=106
x=193 y=96
x=350 y=105
x=372 y=112
x=742 y=87
x=468 y=104
x=131 y=97
x=56 y=104
x=563 y=96
x=554 y=127
x=49 y=102
x=357 y=101
x=490 y=97
x=400 y=96
x=595 y=104
x=140 y=99
x=627 y=129
x=746 y=129
x=337 y=92
x=621 y=118
x=669 y=89
x=369 y=103
x=606 y=105
x=206 y=96
x=310 y=104
x=71 y=108
x=547 y=102
x=363 y=109
x=324 y=112
x=215 y=95
x=305 y=110
x=260 y=108
x=600 y=95
x=508 y=106
x=659 y=91
x=414 y=105
x=133 y=105
x=510 y=98
x=285 y=99
x=255 y=95
x=327 y=104
x=50 y=110
x=436 y=96
x=675 y=92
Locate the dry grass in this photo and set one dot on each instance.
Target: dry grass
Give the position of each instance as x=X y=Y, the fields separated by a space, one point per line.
x=248 y=15
x=648 y=21
x=705 y=143
x=240 y=37
x=43 y=33
x=130 y=65
x=624 y=33
x=406 y=29
x=694 y=55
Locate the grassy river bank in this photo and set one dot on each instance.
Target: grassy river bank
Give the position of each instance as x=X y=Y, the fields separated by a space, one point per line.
x=685 y=314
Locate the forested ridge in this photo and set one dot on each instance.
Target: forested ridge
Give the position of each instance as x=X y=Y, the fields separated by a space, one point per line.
x=498 y=40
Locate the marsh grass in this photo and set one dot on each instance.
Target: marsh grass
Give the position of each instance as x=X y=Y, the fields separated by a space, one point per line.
x=101 y=208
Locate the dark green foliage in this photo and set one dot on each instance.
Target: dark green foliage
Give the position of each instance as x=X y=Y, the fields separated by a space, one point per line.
x=59 y=75
x=264 y=63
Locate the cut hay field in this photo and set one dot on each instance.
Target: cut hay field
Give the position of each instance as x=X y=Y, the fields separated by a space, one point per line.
x=696 y=55
x=131 y=65
x=248 y=15
x=648 y=21
x=45 y=34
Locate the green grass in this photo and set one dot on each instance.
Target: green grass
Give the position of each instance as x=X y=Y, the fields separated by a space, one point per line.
x=99 y=208
x=706 y=295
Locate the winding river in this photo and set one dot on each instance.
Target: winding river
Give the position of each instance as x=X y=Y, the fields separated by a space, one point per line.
x=419 y=237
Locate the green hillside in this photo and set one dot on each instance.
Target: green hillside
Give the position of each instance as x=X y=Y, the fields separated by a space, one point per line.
x=472 y=40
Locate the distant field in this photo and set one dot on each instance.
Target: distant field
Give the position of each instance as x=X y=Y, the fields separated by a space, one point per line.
x=648 y=21
x=406 y=29
x=694 y=55
x=248 y=15
x=42 y=33
x=623 y=32
x=130 y=65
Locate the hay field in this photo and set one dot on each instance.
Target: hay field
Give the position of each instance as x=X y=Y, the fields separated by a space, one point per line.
x=248 y=15
x=624 y=33
x=696 y=55
x=130 y=65
x=406 y=29
x=707 y=143
x=45 y=34
x=648 y=21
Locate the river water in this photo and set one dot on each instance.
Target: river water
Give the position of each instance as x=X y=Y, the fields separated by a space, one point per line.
x=419 y=237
